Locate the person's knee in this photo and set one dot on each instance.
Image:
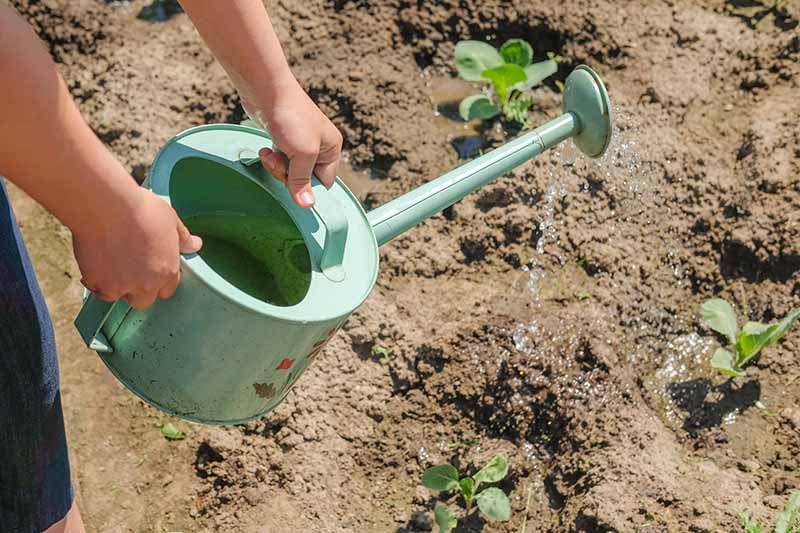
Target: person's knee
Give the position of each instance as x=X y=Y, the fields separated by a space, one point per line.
x=71 y=523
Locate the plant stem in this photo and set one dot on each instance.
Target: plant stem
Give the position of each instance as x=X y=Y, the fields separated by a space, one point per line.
x=527 y=504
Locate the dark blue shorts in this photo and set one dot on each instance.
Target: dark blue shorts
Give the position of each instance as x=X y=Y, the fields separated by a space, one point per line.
x=35 y=488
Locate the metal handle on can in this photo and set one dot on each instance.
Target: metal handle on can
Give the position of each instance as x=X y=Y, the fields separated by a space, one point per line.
x=332 y=216
x=90 y=322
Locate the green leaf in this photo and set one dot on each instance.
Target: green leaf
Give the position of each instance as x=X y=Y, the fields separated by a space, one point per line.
x=477 y=106
x=171 y=432
x=380 y=351
x=749 y=525
x=494 y=471
x=442 y=477
x=783 y=326
x=494 y=503
x=467 y=486
x=473 y=57
x=536 y=74
x=720 y=317
x=790 y=516
x=517 y=52
x=752 y=339
x=723 y=361
x=503 y=78
x=445 y=518
x=555 y=57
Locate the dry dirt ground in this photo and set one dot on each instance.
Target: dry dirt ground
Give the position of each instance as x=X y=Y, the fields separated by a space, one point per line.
x=583 y=361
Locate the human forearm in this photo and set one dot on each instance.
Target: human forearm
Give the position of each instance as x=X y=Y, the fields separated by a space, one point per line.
x=45 y=146
x=242 y=38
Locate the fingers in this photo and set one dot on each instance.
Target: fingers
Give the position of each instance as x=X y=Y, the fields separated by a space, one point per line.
x=329 y=158
x=323 y=161
x=141 y=300
x=106 y=296
x=299 y=183
x=298 y=177
x=188 y=243
x=275 y=162
x=102 y=291
x=169 y=288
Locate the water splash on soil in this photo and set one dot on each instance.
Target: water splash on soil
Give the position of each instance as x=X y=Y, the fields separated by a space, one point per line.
x=686 y=360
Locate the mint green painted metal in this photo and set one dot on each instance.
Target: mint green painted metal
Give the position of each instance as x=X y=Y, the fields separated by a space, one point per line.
x=587 y=118
x=217 y=354
x=213 y=353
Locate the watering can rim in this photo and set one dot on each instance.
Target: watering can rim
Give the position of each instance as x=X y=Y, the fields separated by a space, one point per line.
x=200 y=268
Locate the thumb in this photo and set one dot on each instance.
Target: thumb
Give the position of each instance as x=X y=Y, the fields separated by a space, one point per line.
x=188 y=243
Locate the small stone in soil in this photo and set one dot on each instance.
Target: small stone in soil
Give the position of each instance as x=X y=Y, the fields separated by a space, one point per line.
x=421 y=521
x=702 y=525
x=253 y=496
x=748 y=465
x=774 y=501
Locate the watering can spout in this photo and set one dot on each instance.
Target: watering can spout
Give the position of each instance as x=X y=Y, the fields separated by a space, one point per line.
x=586 y=118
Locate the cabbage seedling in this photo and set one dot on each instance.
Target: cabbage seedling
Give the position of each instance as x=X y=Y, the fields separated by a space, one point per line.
x=492 y=502
x=510 y=71
x=746 y=344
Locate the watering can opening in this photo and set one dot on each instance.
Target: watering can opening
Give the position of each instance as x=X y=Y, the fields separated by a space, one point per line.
x=248 y=237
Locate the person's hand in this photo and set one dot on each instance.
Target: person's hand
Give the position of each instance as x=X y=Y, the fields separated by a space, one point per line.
x=304 y=135
x=134 y=253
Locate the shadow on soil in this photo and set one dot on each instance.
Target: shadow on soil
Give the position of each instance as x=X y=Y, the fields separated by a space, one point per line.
x=707 y=405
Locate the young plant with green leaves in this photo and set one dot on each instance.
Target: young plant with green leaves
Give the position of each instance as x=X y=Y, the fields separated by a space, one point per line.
x=744 y=344
x=788 y=520
x=171 y=432
x=510 y=71
x=491 y=501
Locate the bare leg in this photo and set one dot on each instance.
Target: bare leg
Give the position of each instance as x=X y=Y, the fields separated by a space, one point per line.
x=71 y=523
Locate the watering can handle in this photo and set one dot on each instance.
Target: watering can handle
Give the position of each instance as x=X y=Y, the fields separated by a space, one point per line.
x=332 y=216
x=90 y=322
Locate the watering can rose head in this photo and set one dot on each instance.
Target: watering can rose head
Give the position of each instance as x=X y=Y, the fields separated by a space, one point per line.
x=274 y=282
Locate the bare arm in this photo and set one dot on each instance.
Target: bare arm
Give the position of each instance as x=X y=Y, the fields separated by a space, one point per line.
x=241 y=36
x=45 y=146
x=126 y=239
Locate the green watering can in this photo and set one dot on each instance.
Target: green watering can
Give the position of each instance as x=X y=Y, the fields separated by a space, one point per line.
x=274 y=282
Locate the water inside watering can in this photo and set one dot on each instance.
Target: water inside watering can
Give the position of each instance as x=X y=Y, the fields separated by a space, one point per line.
x=248 y=237
x=266 y=260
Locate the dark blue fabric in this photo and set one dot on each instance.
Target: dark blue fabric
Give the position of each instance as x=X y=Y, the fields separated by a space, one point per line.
x=35 y=488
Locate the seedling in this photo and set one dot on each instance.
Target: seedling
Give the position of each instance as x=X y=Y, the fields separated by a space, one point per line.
x=492 y=502
x=380 y=351
x=510 y=71
x=171 y=432
x=745 y=344
x=788 y=520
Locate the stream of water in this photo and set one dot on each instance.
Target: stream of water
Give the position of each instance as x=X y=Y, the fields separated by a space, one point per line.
x=632 y=186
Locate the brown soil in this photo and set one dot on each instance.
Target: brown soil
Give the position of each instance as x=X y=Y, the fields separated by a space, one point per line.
x=596 y=385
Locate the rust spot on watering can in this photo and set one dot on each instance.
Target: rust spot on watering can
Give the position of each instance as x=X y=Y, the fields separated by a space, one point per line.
x=314 y=353
x=286 y=364
x=265 y=390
